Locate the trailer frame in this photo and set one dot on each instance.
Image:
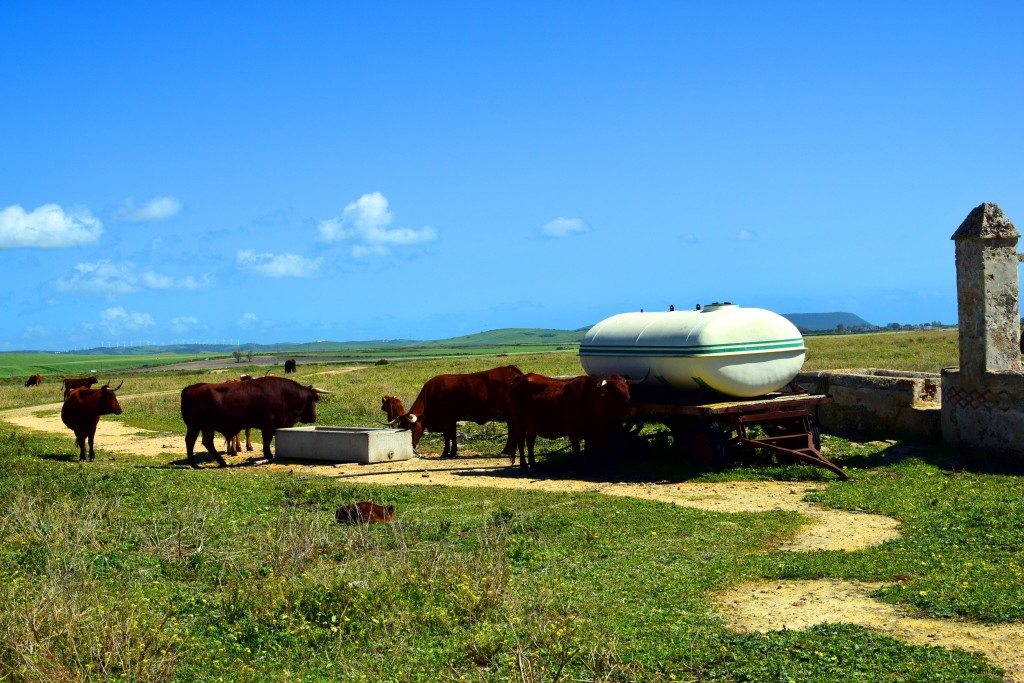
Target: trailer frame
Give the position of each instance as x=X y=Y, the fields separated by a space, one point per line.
x=700 y=420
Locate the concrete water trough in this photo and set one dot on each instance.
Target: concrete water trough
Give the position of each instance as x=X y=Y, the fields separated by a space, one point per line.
x=344 y=444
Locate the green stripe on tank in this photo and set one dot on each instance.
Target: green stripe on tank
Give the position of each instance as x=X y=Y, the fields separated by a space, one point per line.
x=696 y=350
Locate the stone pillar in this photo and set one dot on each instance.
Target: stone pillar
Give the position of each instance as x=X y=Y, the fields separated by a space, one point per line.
x=988 y=294
x=983 y=399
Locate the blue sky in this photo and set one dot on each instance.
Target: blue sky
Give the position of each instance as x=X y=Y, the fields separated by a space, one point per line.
x=265 y=172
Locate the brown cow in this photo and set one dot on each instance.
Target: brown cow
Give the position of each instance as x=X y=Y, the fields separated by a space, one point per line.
x=393 y=408
x=446 y=400
x=70 y=384
x=289 y=366
x=522 y=388
x=34 y=380
x=364 y=513
x=82 y=410
x=264 y=403
x=577 y=408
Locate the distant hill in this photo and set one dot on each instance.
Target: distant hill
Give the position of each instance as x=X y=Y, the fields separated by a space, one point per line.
x=815 y=322
x=511 y=335
x=523 y=336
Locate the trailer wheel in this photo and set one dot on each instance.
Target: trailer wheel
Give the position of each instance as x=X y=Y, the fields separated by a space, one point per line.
x=709 y=446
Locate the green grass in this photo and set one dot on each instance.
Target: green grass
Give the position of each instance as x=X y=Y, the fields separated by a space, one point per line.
x=123 y=571
x=925 y=351
x=138 y=570
x=16 y=367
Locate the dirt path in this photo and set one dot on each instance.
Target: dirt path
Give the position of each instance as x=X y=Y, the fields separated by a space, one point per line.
x=752 y=607
x=794 y=605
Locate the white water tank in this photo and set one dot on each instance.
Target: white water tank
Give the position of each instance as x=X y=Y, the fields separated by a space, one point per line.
x=742 y=352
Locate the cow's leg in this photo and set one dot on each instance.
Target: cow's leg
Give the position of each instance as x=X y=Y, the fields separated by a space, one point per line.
x=449 y=439
x=531 y=439
x=268 y=434
x=510 y=442
x=248 y=439
x=211 y=447
x=191 y=434
x=80 y=441
x=92 y=452
x=454 y=450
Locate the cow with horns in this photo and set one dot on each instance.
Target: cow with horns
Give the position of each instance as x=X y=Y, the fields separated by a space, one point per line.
x=34 y=380
x=446 y=400
x=264 y=403
x=580 y=408
x=393 y=408
x=81 y=414
x=70 y=384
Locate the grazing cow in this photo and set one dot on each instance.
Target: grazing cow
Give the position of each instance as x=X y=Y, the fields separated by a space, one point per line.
x=34 y=380
x=393 y=408
x=289 y=366
x=264 y=403
x=445 y=400
x=70 y=384
x=577 y=408
x=81 y=413
x=364 y=513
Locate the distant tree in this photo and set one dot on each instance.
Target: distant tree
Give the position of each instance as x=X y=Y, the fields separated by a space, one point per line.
x=893 y=326
x=248 y=356
x=840 y=328
x=238 y=356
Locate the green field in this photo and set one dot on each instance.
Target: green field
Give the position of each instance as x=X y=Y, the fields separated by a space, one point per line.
x=135 y=569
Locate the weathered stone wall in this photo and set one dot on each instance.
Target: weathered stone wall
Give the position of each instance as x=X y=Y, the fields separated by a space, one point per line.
x=990 y=416
x=877 y=403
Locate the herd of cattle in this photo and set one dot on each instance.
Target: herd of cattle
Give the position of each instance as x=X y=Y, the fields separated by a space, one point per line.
x=580 y=408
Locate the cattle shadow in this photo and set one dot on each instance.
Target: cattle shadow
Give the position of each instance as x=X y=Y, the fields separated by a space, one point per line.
x=205 y=460
x=59 y=457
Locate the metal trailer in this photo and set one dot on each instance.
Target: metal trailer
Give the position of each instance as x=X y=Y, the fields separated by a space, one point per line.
x=714 y=428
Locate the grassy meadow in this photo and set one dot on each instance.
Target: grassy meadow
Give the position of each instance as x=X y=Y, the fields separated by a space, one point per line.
x=138 y=569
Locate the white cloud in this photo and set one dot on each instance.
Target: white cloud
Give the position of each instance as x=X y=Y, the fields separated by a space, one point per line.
x=278 y=265
x=102 y=277
x=111 y=279
x=365 y=222
x=48 y=227
x=156 y=209
x=563 y=227
x=184 y=324
x=247 y=319
x=157 y=281
x=115 y=321
x=746 y=235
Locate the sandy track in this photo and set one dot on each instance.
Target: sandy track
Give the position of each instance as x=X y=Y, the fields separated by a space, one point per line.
x=752 y=607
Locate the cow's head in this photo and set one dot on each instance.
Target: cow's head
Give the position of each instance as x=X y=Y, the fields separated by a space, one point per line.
x=613 y=396
x=392 y=407
x=413 y=423
x=312 y=397
x=108 y=400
